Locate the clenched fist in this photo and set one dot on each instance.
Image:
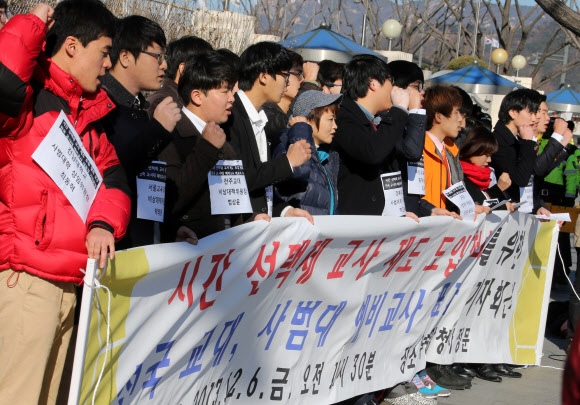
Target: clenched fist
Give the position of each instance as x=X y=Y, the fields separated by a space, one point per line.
x=44 y=12
x=167 y=114
x=400 y=97
x=298 y=153
x=310 y=70
x=214 y=134
x=526 y=132
x=504 y=182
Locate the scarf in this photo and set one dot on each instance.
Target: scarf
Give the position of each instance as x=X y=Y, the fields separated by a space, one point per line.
x=480 y=176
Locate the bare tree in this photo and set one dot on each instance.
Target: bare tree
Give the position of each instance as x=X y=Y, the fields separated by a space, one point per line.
x=562 y=14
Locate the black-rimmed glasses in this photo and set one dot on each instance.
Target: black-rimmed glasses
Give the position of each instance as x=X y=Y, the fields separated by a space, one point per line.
x=159 y=56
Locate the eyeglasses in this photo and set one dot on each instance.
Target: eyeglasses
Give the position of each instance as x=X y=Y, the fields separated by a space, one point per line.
x=298 y=75
x=159 y=56
x=419 y=87
x=329 y=85
x=285 y=75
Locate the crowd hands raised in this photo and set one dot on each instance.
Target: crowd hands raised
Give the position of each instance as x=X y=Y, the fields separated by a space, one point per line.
x=306 y=134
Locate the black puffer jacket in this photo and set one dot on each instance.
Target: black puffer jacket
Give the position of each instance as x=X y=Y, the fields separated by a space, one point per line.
x=310 y=186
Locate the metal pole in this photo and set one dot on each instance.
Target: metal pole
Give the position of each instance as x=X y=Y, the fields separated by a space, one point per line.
x=364 y=30
x=475 y=41
x=564 y=63
x=421 y=48
x=313 y=13
x=459 y=28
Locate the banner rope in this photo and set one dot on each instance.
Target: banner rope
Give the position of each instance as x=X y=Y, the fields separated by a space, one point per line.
x=96 y=286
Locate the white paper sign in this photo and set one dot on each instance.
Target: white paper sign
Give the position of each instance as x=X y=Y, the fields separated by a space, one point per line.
x=228 y=188
x=270 y=199
x=393 y=189
x=491 y=202
x=492 y=178
x=459 y=196
x=416 y=177
x=527 y=196
x=556 y=217
x=151 y=192
x=66 y=161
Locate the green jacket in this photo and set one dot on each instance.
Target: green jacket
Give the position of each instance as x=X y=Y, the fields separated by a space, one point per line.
x=572 y=174
x=556 y=176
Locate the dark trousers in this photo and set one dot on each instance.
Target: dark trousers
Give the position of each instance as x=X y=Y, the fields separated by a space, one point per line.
x=574 y=309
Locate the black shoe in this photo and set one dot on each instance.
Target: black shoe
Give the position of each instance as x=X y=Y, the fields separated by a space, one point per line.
x=469 y=370
x=505 y=371
x=486 y=372
x=460 y=371
x=446 y=378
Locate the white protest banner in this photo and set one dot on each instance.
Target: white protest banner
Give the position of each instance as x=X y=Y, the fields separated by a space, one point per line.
x=228 y=189
x=459 y=196
x=393 y=189
x=63 y=157
x=416 y=177
x=287 y=312
x=151 y=192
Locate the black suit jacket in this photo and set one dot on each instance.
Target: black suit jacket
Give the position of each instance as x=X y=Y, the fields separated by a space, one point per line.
x=259 y=174
x=365 y=154
x=515 y=156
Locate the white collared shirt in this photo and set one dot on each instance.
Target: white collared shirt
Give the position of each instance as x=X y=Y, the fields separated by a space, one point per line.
x=197 y=122
x=258 y=120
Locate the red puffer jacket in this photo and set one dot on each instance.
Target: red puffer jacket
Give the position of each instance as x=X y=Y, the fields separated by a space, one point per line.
x=40 y=231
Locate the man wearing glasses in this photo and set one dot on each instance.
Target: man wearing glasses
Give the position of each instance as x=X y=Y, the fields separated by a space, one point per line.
x=138 y=64
x=263 y=77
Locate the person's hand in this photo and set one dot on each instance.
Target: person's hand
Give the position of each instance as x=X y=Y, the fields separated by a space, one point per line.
x=504 y=181
x=480 y=209
x=298 y=153
x=295 y=120
x=510 y=206
x=442 y=211
x=167 y=113
x=567 y=137
x=526 y=132
x=263 y=217
x=44 y=12
x=214 y=134
x=97 y=242
x=546 y=212
x=310 y=71
x=400 y=97
x=184 y=234
x=412 y=216
x=297 y=212
x=414 y=98
x=560 y=126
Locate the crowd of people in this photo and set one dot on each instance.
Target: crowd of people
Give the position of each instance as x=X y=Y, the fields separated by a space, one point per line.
x=313 y=139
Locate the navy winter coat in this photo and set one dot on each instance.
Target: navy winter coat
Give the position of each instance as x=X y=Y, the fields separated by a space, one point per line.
x=309 y=188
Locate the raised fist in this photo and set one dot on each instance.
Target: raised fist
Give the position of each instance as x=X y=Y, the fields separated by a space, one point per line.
x=214 y=134
x=167 y=113
x=298 y=153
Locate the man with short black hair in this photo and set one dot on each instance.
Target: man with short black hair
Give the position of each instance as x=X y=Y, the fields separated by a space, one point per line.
x=517 y=149
x=44 y=238
x=365 y=141
x=263 y=77
x=205 y=86
x=138 y=59
x=330 y=76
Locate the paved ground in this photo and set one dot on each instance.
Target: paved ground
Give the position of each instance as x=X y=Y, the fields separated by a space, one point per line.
x=538 y=385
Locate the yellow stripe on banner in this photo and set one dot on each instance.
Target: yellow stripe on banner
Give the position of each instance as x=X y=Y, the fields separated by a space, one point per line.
x=525 y=324
x=135 y=263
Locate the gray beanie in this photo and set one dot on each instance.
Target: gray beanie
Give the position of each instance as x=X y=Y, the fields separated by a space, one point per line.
x=311 y=99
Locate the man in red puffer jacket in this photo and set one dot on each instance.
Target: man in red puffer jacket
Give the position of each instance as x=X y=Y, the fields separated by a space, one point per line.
x=43 y=240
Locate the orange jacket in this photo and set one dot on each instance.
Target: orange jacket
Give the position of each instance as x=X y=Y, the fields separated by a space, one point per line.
x=437 y=176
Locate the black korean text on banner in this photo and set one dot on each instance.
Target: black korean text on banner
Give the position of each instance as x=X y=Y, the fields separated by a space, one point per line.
x=63 y=157
x=228 y=188
x=393 y=189
x=459 y=196
x=151 y=192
